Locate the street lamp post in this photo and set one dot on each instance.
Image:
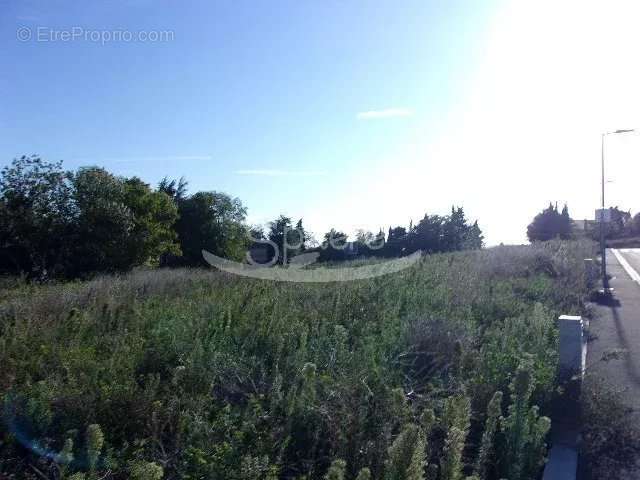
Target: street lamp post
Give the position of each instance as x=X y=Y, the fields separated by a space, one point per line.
x=603 y=250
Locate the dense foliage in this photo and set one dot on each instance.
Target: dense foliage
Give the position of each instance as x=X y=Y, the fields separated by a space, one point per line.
x=550 y=224
x=610 y=431
x=620 y=225
x=432 y=234
x=61 y=224
x=57 y=223
x=199 y=375
x=212 y=221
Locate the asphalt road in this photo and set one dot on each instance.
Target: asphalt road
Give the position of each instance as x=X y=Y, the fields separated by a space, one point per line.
x=613 y=352
x=632 y=256
x=615 y=330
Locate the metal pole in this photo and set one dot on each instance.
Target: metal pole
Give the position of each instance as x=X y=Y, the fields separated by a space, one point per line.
x=605 y=281
x=603 y=250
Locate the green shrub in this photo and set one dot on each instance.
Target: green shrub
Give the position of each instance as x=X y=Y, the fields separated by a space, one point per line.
x=213 y=376
x=95 y=441
x=406 y=455
x=141 y=470
x=451 y=461
x=611 y=436
x=336 y=470
x=364 y=474
x=486 y=452
x=524 y=430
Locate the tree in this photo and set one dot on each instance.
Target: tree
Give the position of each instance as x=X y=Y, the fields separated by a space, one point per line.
x=457 y=234
x=36 y=215
x=212 y=221
x=396 y=242
x=370 y=244
x=104 y=223
x=277 y=230
x=334 y=245
x=454 y=230
x=257 y=232
x=304 y=237
x=427 y=235
x=154 y=216
x=550 y=224
x=364 y=236
x=620 y=224
x=473 y=239
x=175 y=189
x=289 y=240
x=435 y=233
x=121 y=222
x=634 y=225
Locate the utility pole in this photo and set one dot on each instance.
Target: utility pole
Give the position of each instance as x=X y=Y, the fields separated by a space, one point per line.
x=603 y=250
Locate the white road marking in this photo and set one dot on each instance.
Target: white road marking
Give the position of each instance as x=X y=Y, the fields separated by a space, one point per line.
x=628 y=268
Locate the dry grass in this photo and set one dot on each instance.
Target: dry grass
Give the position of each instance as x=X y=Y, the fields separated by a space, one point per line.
x=197 y=370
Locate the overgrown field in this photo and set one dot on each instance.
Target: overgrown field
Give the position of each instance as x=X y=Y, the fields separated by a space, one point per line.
x=199 y=375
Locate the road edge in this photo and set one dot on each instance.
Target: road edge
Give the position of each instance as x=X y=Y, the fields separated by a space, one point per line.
x=627 y=267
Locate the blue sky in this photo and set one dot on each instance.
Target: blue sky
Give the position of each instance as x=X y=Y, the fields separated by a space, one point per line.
x=267 y=101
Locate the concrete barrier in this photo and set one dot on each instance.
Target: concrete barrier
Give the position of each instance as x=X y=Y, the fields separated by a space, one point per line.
x=572 y=346
x=562 y=461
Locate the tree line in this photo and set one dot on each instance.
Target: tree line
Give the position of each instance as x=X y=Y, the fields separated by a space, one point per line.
x=621 y=224
x=60 y=223
x=432 y=234
x=551 y=223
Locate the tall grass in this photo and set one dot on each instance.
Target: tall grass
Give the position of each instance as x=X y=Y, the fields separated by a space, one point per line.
x=206 y=375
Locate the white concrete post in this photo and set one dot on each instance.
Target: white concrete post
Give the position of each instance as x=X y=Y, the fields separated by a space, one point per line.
x=572 y=359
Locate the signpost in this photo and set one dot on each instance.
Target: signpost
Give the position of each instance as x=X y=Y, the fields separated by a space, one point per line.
x=603 y=215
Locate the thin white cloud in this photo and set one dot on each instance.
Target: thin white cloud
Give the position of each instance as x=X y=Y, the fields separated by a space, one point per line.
x=527 y=111
x=191 y=157
x=147 y=159
x=386 y=113
x=281 y=173
x=168 y=158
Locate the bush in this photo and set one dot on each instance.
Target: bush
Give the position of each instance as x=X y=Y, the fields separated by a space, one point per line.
x=406 y=455
x=213 y=376
x=611 y=436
